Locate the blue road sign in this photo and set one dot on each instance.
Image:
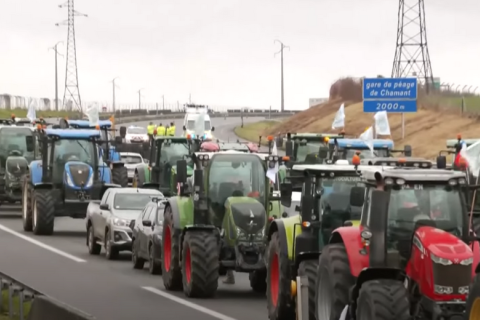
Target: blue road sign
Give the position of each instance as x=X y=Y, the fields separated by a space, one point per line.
x=389 y=88
x=390 y=105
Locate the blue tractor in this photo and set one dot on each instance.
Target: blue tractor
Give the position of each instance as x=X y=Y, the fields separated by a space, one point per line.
x=69 y=175
x=107 y=151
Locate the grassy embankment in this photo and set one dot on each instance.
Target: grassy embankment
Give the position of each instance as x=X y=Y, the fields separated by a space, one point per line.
x=252 y=131
x=4 y=314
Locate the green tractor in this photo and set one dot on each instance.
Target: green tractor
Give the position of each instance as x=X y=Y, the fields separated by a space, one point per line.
x=217 y=222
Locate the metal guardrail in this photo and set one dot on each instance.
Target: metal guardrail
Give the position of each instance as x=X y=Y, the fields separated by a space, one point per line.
x=16 y=289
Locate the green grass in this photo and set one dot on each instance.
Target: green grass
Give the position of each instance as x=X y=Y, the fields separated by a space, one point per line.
x=252 y=131
x=4 y=314
x=472 y=102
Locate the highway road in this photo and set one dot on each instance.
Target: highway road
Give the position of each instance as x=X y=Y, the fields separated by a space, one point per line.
x=60 y=266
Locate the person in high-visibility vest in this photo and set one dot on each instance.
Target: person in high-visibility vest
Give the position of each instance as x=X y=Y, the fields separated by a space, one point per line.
x=150 y=130
x=161 y=130
x=171 y=130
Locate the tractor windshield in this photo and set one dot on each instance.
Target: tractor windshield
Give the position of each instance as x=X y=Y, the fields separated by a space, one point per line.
x=336 y=197
x=13 y=139
x=439 y=206
x=74 y=150
x=236 y=175
x=309 y=149
x=171 y=153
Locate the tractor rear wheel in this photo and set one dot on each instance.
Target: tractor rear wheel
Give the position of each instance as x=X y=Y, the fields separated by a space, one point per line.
x=120 y=176
x=171 y=271
x=27 y=205
x=43 y=212
x=383 y=300
x=333 y=283
x=308 y=268
x=279 y=302
x=473 y=300
x=200 y=258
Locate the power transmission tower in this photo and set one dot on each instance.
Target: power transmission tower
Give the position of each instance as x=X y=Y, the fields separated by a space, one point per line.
x=282 y=47
x=411 y=55
x=71 y=94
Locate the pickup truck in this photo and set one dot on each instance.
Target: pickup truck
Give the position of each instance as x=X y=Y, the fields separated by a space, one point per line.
x=109 y=221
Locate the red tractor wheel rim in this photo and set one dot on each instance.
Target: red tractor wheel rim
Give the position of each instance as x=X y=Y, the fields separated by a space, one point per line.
x=274 y=279
x=188 y=266
x=167 y=249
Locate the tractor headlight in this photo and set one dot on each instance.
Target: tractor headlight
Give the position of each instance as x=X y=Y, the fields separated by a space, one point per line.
x=439 y=260
x=467 y=262
x=121 y=222
x=241 y=234
x=90 y=181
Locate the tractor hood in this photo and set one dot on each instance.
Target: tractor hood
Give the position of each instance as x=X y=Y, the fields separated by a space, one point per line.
x=78 y=174
x=248 y=214
x=16 y=166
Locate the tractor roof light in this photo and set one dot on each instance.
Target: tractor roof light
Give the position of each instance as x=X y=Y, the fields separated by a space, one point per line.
x=286 y=158
x=402 y=160
x=270 y=138
x=39 y=127
x=97 y=127
x=356 y=160
x=189 y=136
x=306 y=224
x=459 y=136
x=326 y=139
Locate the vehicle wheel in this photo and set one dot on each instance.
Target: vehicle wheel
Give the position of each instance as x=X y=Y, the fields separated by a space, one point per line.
x=111 y=253
x=383 y=300
x=43 y=212
x=153 y=267
x=171 y=271
x=93 y=247
x=258 y=280
x=120 y=176
x=200 y=259
x=138 y=263
x=333 y=283
x=473 y=300
x=279 y=302
x=308 y=268
x=27 y=206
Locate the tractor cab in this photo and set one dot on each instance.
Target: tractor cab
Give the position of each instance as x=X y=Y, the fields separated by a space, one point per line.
x=414 y=239
x=310 y=148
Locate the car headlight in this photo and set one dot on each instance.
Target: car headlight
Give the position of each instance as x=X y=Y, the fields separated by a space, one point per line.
x=439 y=260
x=121 y=222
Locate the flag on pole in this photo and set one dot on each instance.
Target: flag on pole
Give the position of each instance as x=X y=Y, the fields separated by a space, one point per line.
x=472 y=156
x=339 y=121
x=272 y=172
x=367 y=137
x=382 y=126
x=93 y=114
x=32 y=106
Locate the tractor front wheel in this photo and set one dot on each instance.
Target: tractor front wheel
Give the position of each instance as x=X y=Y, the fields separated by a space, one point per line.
x=383 y=300
x=308 y=268
x=200 y=264
x=43 y=212
x=171 y=271
x=120 y=176
x=473 y=300
x=279 y=302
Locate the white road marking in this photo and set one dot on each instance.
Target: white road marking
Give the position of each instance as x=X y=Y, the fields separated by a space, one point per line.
x=189 y=304
x=41 y=244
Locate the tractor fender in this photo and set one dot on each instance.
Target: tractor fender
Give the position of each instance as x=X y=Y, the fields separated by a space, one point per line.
x=36 y=173
x=287 y=229
x=172 y=203
x=476 y=255
x=43 y=186
x=114 y=155
x=104 y=174
x=350 y=237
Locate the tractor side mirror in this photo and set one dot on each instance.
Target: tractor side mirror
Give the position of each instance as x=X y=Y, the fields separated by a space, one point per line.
x=441 y=162
x=147 y=223
x=357 y=196
x=407 y=150
x=213 y=129
x=30 y=144
x=289 y=148
x=181 y=172
x=323 y=152
x=286 y=194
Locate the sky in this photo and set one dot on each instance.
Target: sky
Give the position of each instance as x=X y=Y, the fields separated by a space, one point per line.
x=222 y=52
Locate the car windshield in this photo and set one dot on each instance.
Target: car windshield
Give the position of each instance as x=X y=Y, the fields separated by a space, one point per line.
x=207 y=125
x=132 y=201
x=136 y=131
x=130 y=159
x=13 y=139
x=190 y=124
x=366 y=153
x=441 y=205
x=173 y=152
x=236 y=175
x=73 y=150
x=310 y=148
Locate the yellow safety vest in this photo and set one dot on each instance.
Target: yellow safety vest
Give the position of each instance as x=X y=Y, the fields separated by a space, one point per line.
x=171 y=131
x=150 y=129
x=161 y=131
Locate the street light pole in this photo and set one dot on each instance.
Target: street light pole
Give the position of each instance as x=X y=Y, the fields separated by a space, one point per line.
x=282 y=46
x=140 y=98
x=54 y=48
x=113 y=98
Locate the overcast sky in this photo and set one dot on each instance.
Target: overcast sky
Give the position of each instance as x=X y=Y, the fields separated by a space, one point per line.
x=222 y=51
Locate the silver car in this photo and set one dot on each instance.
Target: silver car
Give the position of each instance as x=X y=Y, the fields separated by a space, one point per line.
x=131 y=161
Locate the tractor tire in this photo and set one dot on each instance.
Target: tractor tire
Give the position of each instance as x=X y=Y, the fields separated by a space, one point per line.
x=279 y=141
x=383 y=299
x=258 y=281
x=333 y=283
x=200 y=258
x=308 y=268
x=138 y=262
x=279 y=302
x=123 y=132
x=171 y=271
x=120 y=176
x=27 y=205
x=118 y=140
x=43 y=212
x=473 y=299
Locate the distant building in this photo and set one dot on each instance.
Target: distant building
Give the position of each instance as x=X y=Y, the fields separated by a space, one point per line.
x=316 y=101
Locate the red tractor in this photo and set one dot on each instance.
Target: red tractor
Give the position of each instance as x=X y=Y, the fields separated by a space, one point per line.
x=413 y=256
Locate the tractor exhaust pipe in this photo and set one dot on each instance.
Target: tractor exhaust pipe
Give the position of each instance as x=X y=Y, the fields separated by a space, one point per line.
x=378 y=228
x=200 y=207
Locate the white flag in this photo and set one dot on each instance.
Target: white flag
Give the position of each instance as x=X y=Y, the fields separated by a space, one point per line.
x=472 y=157
x=32 y=106
x=339 y=121
x=272 y=172
x=93 y=114
x=367 y=137
x=382 y=127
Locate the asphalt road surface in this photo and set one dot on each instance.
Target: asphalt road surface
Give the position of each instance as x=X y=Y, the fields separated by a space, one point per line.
x=61 y=267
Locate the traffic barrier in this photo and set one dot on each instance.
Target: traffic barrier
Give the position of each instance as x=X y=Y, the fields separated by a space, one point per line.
x=47 y=308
